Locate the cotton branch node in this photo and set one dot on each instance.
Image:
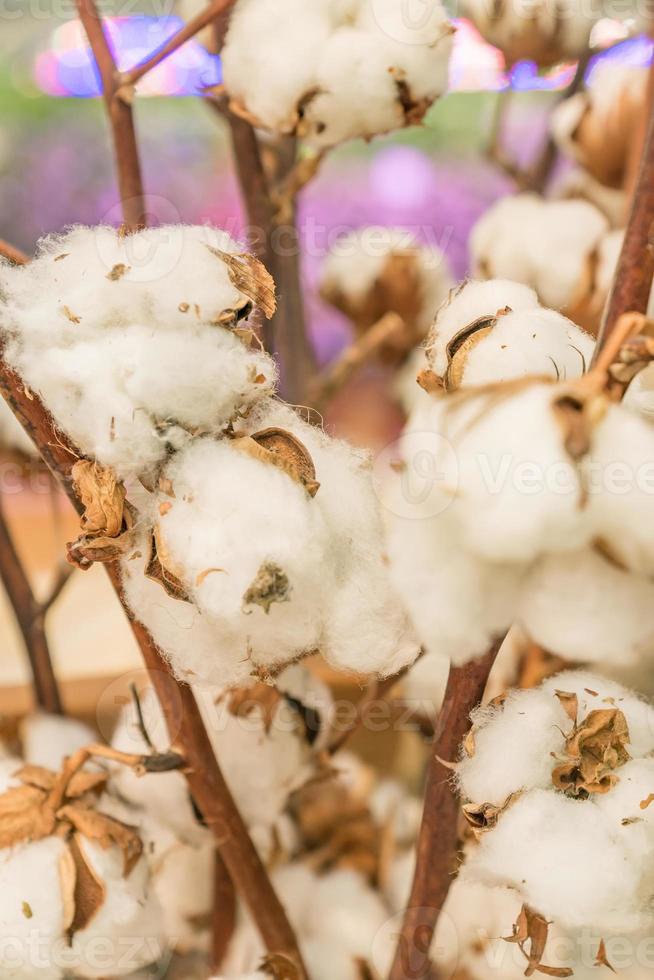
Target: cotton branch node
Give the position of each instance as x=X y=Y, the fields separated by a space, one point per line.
x=316 y=56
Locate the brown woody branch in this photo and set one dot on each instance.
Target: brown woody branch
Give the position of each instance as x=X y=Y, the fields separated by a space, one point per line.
x=128 y=166
x=187 y=732
x=436 y=853
x=632 y=284
x=390 y=327
x=129 y=78
x=12 y=253
x=30 y=617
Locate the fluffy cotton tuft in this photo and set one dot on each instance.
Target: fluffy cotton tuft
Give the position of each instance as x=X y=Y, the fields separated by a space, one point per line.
x=332 y=71
x=129 y=340
x=579 y=858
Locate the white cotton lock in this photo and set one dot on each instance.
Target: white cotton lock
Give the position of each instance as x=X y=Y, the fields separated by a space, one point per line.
x=316 y=55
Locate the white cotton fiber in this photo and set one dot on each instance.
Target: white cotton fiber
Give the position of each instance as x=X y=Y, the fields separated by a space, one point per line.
x=32 y=911
x=563 y=607
x=138 y=353
x=47 y=739
x=513 y=746
x=315 y=56
x=563 y=858
x=545 y=244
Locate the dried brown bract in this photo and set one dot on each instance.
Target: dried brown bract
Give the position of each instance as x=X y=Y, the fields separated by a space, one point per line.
x=595 y=748
x=251 y=278
x=530 y=934
x=280 y=448
x=107 y=521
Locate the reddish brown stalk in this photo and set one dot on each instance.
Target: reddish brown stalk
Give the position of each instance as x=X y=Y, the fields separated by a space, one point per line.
x=130 y=184
x=186 y=729
x=633 y=278
x=12 y=253
x=193 y=27
x=224 y=920
x=436 y=855
x=30 y=617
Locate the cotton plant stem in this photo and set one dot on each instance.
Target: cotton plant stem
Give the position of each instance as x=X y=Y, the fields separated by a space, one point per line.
x=186 y=730
x=12 y=253
x=121 y=120
x=390 y=327
x=438 y=838
x=193 y=27
x=224 y=921
x=633 y=278
x=30 y=617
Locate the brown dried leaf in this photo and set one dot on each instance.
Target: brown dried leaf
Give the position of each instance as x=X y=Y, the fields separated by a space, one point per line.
x=24 y=816
x=530 y=934
x=280 y=448
x=102 y=496
x=164 y=572
x=68 y=313
x=36 y=776
x=117 y=272
x=243 y=701
x=251 y=278
x=269 y=585
x=594 y=749
x=89 y=893
x=601 y=958
x=105 y=831
x=645 y=803
x=569 y=703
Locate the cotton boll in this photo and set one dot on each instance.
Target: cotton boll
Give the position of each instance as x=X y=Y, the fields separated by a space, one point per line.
x=405 y=389
x=129 y=910
x=513 y=746
x=469 y=303
x=325 y=960
x=563 y=858
x=610 y=201
x=545 y=32
x=423 y=687
x=391 y=806
x=597 y=127
x=318 y=55
x=563 y=608
x=32 y=911
x=545 y=244
x=47 y=739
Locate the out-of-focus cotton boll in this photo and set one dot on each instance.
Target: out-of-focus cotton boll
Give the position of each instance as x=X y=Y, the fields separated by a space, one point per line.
x=423 y=687
x=317 y=55
x=471 y=302
x=140 y=353
x=549 y=245
x=376 y=270
x=563 y=608
x=47 y=739
x=566 y=861
x=405 y=388
x=546 y=32
x=597 y=127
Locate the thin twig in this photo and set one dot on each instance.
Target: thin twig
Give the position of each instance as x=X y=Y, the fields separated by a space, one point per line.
x=127 y=79
x=30 y=618
x=224 y=920
x=12 y=253
x=324 y=387
x=632 y=284
x=185 y=727
x=438 y=838
x=121 y=119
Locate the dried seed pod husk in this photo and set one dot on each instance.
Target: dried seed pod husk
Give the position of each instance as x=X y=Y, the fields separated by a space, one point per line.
x=281 y=448
x=269 y=586
x=251 y=278
x=460 y=346
x=596 y=747
x=108 y=520
x=265 y=698
x=161 y=568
